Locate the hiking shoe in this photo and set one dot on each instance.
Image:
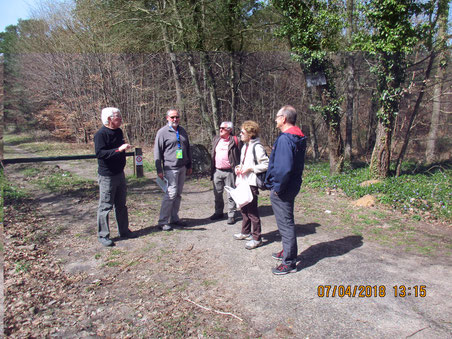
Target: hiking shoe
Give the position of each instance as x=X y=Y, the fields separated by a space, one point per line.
x=231 y=221
x=216 y=216
x=179 y=223
x=253 y=244
x=283 y=269
x=166 y=228
x=279 y=255
x=107 y=242
x=128 y=235
x=241 y=236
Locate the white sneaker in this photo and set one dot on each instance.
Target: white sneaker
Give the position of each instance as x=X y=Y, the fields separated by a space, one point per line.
x=166 y=227
x=253 y=244
x=241 y=236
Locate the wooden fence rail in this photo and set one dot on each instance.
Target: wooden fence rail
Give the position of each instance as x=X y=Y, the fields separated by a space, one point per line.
x=138 y=160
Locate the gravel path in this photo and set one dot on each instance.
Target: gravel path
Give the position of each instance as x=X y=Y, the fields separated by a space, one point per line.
x=203 y=266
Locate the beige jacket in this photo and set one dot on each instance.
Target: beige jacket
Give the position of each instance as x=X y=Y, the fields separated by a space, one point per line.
x=248 y=160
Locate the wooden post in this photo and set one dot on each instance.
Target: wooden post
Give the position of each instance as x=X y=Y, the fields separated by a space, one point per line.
x=138 y=163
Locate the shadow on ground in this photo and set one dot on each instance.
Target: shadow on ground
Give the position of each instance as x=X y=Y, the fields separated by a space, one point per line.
x=300 y=231
x=335 y=248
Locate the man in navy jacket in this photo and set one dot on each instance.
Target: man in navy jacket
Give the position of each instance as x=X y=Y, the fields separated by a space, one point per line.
x=284 y=177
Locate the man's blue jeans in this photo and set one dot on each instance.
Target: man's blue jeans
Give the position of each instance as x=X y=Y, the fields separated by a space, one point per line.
x=283 y=207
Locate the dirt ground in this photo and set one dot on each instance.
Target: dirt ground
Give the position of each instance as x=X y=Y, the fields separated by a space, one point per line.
x=198 y=282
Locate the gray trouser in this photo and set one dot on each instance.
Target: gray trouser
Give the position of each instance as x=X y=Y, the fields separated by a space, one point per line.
x=220 y=179
x=112 y=193
x=283 y=210
x=169 y=210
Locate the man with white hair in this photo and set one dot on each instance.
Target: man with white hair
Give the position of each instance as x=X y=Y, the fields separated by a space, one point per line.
x=225 y=156
x=110 y=150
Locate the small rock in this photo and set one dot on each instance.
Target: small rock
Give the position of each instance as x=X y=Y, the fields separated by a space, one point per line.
x=366 y=201
x=369 y=182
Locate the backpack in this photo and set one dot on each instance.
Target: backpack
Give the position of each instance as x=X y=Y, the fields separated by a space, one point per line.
x=236 y=141
x=260 y=177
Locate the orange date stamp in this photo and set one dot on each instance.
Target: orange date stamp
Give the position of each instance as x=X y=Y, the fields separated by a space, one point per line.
x=370 y=291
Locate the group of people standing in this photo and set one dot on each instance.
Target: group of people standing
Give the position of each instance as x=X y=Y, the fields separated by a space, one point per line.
x=232 y=159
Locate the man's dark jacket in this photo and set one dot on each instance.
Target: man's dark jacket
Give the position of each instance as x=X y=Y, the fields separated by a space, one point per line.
x=235 y=144
x=285 y=169
x=106 y=143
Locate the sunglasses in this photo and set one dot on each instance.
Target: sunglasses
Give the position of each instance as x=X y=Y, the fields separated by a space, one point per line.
x=175 y=117
x=223 y=128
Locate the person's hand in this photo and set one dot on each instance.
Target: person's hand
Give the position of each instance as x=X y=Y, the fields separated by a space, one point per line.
x=189 y=171
x=243 y=171
x=160 y=175
x=124 y=147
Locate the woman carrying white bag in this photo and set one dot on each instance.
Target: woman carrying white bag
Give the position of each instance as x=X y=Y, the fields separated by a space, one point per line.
x=246 y=175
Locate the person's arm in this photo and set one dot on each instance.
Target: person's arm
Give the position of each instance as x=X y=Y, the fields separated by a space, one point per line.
x=158 y=154
x=189 y=165
x=261 y=158
x=104 y=150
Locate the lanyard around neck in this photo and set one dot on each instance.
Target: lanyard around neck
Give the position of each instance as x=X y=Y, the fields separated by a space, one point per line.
x=177 y=136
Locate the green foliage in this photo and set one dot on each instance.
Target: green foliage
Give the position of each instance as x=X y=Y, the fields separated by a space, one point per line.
x=314 y=29
x=391 y=26
x=148 y=166
x=8 y=41
x=391 y=35
x=421 y=192
x=22 y=266
x=10 y=193
x=16 y=139
x=62 y=181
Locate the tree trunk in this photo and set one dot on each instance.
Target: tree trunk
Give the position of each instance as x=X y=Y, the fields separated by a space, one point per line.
x=313 y=137
x=390 y=79
x=411 y=115
x=199 y=95
x=212 y=86
x=348 y=152
x=335 y=142
x=430 y=152
x=191 y=65
x=381 y=155
x=336 y=149
x=371 y=127
x=349 y=113
x=180 y=102
x=233 y=85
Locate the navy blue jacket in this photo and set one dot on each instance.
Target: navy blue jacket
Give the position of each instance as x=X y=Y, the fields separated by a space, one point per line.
x=285 y=170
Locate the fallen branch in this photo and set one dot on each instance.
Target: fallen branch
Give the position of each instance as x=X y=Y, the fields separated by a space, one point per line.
x=417 y=332
x=209 y=309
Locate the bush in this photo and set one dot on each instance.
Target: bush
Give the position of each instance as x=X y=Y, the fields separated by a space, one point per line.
x=422 y=190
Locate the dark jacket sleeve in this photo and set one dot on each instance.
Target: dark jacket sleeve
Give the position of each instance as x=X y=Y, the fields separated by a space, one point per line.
x=212 y=155
x=190 y=155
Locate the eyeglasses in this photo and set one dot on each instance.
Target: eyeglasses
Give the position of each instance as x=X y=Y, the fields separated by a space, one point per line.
x=174 y=117
x=279 y=116
x=224 y=128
